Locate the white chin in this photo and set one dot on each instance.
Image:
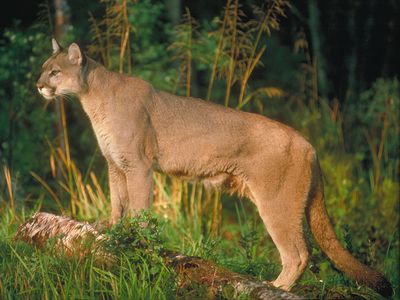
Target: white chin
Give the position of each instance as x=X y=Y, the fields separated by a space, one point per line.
x=49 y=97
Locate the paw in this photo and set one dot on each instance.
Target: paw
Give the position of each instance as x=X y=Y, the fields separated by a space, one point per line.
x=268 y=282
x=280 y=285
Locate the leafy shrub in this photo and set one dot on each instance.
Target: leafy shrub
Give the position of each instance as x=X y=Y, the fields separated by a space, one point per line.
x=25 y=124
x=139 y=240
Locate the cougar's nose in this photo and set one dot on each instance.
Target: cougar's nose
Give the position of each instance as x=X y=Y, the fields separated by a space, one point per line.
x=39 y=86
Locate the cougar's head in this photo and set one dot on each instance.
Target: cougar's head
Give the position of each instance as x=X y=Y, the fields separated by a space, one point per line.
x=63 y=72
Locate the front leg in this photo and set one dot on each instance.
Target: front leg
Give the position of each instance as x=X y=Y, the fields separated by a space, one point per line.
x=140 y=187
x=118 y=192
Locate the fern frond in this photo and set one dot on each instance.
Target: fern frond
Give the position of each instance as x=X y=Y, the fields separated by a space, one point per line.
x=112 y=33
x=238 y=51
x=269 y=19
x=185 y=40
x=270 y=92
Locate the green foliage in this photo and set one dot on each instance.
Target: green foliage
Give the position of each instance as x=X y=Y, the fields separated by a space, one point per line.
x=151 y=59
x=377 y=115
x=24 y=120
x=138 y=240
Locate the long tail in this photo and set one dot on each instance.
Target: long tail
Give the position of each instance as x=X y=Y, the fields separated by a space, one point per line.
x=325 y=236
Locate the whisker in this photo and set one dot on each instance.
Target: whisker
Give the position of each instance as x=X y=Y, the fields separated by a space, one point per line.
x=66 y=96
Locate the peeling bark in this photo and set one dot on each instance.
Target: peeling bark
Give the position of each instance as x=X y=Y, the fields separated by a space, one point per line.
x=73 y=237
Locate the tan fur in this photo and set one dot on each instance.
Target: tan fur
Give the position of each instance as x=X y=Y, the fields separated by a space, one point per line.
x=140 y=129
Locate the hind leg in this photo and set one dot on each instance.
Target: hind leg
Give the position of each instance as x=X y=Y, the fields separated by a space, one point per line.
x=284 y=224
x=281 y=205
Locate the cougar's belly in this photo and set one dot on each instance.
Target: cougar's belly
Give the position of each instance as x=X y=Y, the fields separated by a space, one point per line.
x=228 y=177
x=110 y=147
x=214 y=165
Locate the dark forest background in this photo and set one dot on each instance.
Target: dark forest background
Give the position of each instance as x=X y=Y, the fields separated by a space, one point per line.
x=327 y=68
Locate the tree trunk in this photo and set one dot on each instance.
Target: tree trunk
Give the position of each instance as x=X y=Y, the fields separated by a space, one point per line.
x=351 y=89
x=72 y=238
x=316 y=41
x=61 y=24
x=174 y=10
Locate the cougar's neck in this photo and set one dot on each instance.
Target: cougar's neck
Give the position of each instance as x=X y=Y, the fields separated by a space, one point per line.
x=94 y=97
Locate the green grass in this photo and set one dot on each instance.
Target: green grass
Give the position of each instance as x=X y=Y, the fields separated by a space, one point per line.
x=29 y=273
x=243 y=247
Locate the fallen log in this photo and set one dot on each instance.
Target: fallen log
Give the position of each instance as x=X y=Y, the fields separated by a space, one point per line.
x=81 y=238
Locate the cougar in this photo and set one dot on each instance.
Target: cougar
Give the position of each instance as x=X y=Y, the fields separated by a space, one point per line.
x=140 y=129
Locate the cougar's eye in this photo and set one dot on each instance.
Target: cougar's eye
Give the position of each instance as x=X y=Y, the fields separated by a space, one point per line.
x=54 y=72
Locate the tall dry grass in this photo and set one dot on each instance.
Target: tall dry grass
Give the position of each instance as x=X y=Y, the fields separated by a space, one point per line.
x=82 y=194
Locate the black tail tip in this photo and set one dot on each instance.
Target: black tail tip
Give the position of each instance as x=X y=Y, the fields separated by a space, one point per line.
x=384 y=287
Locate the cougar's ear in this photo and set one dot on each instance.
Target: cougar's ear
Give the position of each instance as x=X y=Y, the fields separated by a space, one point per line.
x=56 y=46
x=75 y=54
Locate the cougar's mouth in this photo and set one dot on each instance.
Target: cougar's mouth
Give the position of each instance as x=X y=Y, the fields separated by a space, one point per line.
x=47 y=93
